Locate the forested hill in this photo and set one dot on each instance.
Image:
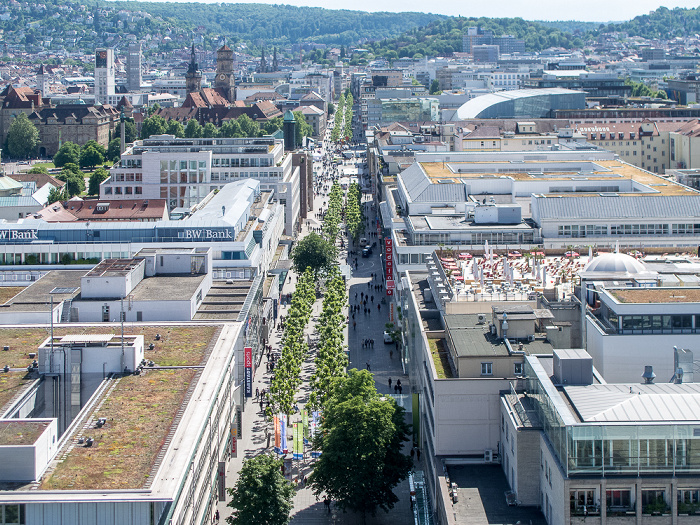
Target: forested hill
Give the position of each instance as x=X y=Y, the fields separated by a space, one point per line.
x=282 y=24
x=442 y=37
x=662 y=23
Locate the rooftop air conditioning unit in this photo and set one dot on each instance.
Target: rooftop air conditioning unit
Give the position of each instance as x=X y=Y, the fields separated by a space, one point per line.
x=488 y=455
x=482 y=318
x=531 y=337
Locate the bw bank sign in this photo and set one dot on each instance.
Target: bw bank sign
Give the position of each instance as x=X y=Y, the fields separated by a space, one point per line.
x=19 y=235
x=206 y=234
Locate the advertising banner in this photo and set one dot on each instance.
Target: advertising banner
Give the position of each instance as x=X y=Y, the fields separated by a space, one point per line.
x=248 y=364
x=305 y=422
x=283 y=432
x=389 y=258
x=278 y=436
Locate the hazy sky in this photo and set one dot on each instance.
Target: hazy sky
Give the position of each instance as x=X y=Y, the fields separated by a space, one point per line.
x=587 y=10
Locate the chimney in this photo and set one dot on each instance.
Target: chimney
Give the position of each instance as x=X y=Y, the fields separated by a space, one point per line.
x=648 y=375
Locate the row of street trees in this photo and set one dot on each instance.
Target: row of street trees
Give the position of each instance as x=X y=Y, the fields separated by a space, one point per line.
x=348 y=116
x=331 y=361
x=339 y=114
x=287 y=377
x=354 y=219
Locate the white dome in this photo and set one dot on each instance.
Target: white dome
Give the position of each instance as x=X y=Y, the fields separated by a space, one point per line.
x=615 y=262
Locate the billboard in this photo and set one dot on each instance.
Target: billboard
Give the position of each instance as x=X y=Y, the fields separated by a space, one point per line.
x=101 y=58
x=248 y=365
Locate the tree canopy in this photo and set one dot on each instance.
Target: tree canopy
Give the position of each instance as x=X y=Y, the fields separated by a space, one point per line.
x=360 y=439
x=69 y=152
x=315 y=252
x=74 y=179
x=22 y=137
x=262 y=494
x=96 y=178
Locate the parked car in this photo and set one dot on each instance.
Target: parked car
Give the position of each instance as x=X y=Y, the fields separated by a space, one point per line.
x=366 y=252
x=388 y=338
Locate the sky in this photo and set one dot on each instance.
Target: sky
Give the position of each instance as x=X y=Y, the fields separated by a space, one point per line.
x=589 y=10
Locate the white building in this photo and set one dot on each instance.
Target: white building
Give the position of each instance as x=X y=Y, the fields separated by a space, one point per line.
x=104 y=75
x=184 y=171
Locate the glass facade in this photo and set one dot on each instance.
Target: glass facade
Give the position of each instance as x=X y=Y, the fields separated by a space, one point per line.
x=610 y=449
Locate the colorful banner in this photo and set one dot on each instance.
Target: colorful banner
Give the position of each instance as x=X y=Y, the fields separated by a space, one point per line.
x=278 y=436
x=315 y=422
x=298 y=444
x=283 y=425
x=248 y=364
x=305 y=422
x=389 y=261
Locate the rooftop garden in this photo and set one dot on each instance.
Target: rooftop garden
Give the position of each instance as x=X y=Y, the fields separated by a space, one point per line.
x=442 y=362
x=8 y=292
x=21 y=432
x=140 y=413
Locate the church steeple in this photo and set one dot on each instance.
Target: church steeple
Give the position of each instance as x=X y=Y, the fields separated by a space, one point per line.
x=193 y=77
x=275 y=66
x=225 y=78
x=263 y=62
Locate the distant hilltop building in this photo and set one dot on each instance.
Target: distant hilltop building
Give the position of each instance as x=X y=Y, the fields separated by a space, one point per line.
x=476 y=36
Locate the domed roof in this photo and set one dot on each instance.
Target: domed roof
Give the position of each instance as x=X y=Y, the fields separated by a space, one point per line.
x=615 y=262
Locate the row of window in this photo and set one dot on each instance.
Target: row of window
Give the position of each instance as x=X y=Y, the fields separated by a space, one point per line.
x=123 y=190
x=584 y=502
x=654 y=323
x=127 y=177
x=592 y=230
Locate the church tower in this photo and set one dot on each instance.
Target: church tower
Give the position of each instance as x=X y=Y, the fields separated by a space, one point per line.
x=275 y=65
x=263 y=61
x=225 y=79
x=42 y=81
x=193 y=77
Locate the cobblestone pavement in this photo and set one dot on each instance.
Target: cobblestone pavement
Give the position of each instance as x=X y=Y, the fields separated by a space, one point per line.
x=307 y=508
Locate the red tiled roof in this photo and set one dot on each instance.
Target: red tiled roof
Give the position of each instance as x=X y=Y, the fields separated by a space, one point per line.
x=114 y=210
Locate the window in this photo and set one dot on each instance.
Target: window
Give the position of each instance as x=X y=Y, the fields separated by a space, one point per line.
x=518 y=369
x=583 y=502
x=619 y=498
x=486 y=369
x=654 y=501
x=12 y=514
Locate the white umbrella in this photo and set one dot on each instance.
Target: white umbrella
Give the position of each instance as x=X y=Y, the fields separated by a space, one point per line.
x=544 y=277
x=590 y=253
x=486 y=249
x=617 y=246
x=481 y=278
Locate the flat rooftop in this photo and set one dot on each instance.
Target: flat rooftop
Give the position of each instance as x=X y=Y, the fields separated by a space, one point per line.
x=113 y=267
x=656 y=295
x=553 y=170
x=21 y=432
x=472 y=339
x=37 y=296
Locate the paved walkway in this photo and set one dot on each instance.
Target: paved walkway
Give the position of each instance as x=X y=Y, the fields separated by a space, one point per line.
x=307 y=509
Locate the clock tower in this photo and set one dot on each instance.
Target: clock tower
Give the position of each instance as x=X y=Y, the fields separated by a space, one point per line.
x=225 y=79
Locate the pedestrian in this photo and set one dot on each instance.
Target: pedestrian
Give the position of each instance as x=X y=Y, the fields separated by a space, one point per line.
x=379 y=308
x=372 y=298
x=261 y=406
x=396 y=389
x=216 y=516
x=400 y=389
x=368 y=367
x=327 y=503
x=398 y=382
x=353 y=325
x=413 y=452
x=391 y=354
x=389 y=383
x=257 y=393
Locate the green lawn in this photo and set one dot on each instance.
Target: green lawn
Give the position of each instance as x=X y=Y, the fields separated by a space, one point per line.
x=442 y=362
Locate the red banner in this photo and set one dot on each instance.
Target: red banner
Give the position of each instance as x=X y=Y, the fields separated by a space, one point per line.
x=389 y=258
x=390 y=286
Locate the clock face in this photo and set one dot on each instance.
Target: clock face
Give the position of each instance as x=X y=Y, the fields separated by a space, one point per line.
x=222 y=76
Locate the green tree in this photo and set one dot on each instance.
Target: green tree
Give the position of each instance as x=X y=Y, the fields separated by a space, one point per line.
x=272 y=125
x=230 y=129
x=193 y=130
x=91 y=156
x=154 y=125
x=114 y=150
x=304 y=129
x=210 y=131
x=434 y=87
x=68 y=153
x=96 y=178
x=39 y=169
x=360 y=439
x=262 y=495
x=175 y=128
x=56 y=195
x=249 y=127
x=22 y=137
x=153 y=109
x=74 y=179
x=314 y=252
x=129 y=131
x=331 y=109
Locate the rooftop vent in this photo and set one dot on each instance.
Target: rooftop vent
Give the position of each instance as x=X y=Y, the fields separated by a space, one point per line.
x=648 y=375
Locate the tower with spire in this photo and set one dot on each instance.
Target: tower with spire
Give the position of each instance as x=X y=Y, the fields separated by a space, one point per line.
x=263 y=62
x=225 y=79
x=275 y=65
x=193 y=77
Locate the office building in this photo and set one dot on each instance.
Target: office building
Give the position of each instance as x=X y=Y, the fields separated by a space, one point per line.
x=133 y=67
x=104 y=75
x=184 y=171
